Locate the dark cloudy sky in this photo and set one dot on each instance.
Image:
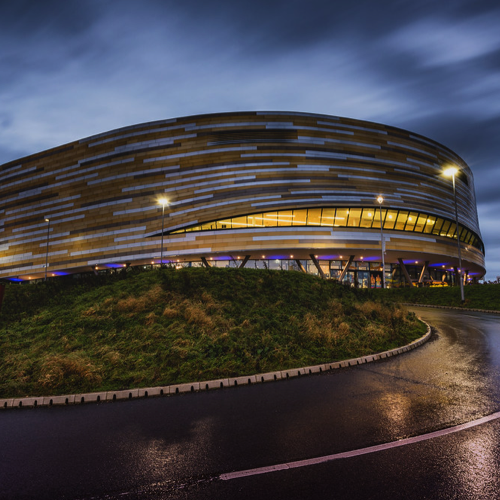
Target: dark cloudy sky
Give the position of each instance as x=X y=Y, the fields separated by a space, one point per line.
x=70 y=69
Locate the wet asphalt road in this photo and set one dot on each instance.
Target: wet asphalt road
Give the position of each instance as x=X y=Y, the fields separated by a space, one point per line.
x=176 y=447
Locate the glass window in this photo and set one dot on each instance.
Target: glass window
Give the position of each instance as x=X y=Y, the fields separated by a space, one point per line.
x=421 y=222
x=328 y=217
x=225 y=224
x=239 y=222
x=341 y=217
x=444 y=228
x=354 y=217
x=285 y=218
x=299 y=217
x=401 y=221
x=390 y=219
x=270 y=219
x=411 y=221
x=437 y=226
x=314 y=217
x=429 y=224
x=256 y=220
x=367 y=217
x=376 y=217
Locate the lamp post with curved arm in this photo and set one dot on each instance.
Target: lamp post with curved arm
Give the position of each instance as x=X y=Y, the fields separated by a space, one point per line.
x=452 y=172
x=163 y=202
x=380 y=200
x=47 y=220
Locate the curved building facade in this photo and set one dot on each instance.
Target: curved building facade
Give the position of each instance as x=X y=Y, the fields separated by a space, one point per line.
x=261 y=189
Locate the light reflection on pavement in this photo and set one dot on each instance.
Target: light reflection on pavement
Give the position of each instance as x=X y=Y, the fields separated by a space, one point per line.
x=176 y=447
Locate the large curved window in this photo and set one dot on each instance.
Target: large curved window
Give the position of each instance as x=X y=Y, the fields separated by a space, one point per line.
x=369 y=218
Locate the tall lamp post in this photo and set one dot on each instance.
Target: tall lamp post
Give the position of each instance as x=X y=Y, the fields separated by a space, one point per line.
x=163 y=202
x=452 y=172
x=380 y=200
x=47 y=247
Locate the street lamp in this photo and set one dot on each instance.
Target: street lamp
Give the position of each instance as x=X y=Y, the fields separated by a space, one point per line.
x=47 y=248
x=452 y=172
x=163 y=202
x=380 y=200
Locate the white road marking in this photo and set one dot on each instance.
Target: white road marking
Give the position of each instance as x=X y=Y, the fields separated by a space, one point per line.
x=361 y=451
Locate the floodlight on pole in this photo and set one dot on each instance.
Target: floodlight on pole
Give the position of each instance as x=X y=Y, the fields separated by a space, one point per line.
x=380 y=200
x=163 y=202
x=47 y=220
x=452 y=172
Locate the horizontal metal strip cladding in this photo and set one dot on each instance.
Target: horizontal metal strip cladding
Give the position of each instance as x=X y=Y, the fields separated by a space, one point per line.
x=312 y=179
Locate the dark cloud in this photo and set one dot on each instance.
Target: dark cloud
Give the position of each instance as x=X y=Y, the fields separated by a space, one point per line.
x=27 y=19
x=71 y=69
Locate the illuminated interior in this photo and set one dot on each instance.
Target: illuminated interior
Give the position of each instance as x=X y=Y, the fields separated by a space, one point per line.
x=367 y=218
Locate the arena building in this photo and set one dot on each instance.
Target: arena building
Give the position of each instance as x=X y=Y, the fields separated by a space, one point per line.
x=280 y=190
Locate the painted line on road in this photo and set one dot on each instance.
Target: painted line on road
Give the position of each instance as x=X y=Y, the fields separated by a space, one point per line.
x=361 y=451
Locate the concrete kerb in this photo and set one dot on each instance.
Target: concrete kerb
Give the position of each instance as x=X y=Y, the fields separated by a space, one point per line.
x=59 y=400
x=269 y=377
x=215 y=384
x=182 y=388
x=90 y=397
x=145 y=392
x=97 y=397
x=246 y=380
x=119 y=395
x=27 y=402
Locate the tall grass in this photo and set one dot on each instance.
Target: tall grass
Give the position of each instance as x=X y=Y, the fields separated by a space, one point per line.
x=171 y=326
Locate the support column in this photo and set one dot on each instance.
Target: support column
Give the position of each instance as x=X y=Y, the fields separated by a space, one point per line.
x=346 y=267
x=301 y=267
x=424 y=270
x=205 y=262
x=318 y=267
x=457 y=276
x=405 y=271
x=245 y=260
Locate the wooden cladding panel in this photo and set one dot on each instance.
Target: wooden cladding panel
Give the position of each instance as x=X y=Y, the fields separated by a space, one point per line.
x=101 y=193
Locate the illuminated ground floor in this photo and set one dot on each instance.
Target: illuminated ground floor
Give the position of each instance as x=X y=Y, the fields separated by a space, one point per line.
x=360 y=273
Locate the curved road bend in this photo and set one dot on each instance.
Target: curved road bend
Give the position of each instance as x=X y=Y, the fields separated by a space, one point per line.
x=177 y=447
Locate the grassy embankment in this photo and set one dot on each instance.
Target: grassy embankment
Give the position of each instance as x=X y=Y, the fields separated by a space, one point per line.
x=476 y=296
x=139 y=329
